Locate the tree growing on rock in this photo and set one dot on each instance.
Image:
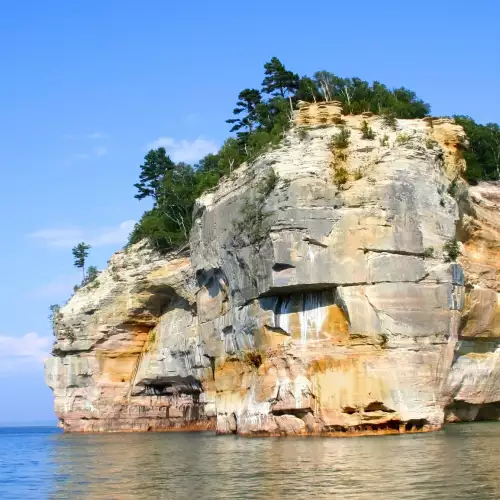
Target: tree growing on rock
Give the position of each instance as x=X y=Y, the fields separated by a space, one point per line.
x=248 y=101
x=278 y=80
x=92 y=273
x=156 y=164
x=80 y=254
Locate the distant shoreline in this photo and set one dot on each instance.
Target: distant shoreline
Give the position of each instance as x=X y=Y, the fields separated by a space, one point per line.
x=6 y=425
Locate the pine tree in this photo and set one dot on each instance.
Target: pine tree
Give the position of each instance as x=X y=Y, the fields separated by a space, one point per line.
x=279 y=81
x=153 y=170
x=80 y=254
x=248 y=102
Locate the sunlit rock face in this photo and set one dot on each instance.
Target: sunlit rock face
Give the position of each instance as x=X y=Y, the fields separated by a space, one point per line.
x=339 y=315
x=473 y=389
x=127 y=355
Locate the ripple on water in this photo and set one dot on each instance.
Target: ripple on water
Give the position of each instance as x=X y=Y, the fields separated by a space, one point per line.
x=461 y=462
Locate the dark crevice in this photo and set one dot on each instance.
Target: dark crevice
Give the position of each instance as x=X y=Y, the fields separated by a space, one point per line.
x=294 y=412
x=277 y=329
x=312 y=241
x=349 y=410
x=416 y=424
x=377 y=406
x=392 y=252
x=282 y=267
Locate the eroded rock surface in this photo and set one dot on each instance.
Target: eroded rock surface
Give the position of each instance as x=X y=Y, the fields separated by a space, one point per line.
x=337 y=315
x=474 y=381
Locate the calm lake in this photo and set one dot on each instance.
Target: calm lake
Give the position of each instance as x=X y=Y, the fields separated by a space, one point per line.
x=460 y=462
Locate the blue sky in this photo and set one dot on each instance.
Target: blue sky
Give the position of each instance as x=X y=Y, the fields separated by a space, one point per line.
x=86 y=87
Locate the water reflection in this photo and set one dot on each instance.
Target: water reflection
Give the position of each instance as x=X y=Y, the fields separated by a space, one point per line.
x=458 y=463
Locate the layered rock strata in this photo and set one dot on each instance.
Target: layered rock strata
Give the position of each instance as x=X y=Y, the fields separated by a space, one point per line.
x=335 y=313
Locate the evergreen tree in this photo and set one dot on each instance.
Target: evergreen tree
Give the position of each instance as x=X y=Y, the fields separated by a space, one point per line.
x=80 y=254
x=156 y=164
x=168 y=223
x=248 y=100
x=260 y=120
x=278 y=80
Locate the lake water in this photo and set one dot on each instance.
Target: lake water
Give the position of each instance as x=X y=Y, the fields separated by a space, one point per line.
x=460 y=462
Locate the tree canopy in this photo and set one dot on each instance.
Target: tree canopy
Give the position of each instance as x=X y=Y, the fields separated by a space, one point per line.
x=278 y=80
x=80 y=253
x=483 y=154
x=260 y=120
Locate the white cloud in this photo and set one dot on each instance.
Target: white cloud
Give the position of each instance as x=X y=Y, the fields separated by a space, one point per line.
x=23 y=352
x=185 y=150
x=97 y=237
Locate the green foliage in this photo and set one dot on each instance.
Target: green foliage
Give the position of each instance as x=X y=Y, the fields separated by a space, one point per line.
x=156 y=163
x=358 y=174
x=340 y=140
x=229 y=157
x=268 y=184
x=389 y=120
x=367 y=132
x=260 y=120
x=384 y=141
x=308 y=90
x=278 y=80
x=452 y=250
x=80 y=253
x=91 y=277
x=340 y=176
x=359 y=96
x=54 y=313
x=403 y=138
x=168 y=223
x=92 y=273
x=483 y=154
x=429 y=252
x=248 y=103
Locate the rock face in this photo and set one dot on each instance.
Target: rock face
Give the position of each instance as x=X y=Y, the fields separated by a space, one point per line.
x=474 y=381
x=126 y=355
x=310 y=302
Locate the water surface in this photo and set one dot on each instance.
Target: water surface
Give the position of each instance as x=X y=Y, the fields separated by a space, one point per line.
x=461 y=462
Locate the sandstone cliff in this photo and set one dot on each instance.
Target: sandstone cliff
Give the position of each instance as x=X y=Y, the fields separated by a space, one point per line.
x=315 y=299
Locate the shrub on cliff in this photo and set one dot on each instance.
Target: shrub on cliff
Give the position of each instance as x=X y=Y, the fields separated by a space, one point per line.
x=340 y=140
x=366 y=131
x=260 y=120
x=451 y=250
x=483 y=154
